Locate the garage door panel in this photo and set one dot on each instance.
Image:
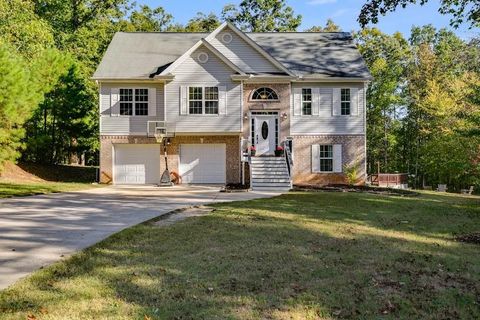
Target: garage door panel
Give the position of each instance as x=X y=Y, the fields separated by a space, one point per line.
x=136 y=164
x=202 y=163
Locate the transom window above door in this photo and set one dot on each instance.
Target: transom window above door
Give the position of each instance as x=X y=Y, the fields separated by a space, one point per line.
x=133 y=102
x=203 y=100
x=264 y=93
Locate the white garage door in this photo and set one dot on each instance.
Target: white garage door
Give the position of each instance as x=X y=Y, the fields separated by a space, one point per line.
x=136 y=163
x=202 y=163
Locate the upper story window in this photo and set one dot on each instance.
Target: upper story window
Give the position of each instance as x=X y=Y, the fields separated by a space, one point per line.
x=264 y=94
x=307 y=101
x=134 y=102
x=203 y=100
x=345 y=102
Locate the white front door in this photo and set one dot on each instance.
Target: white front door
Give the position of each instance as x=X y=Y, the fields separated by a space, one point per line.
x=265 y=135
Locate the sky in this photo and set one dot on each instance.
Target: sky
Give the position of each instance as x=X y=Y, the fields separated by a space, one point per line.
x=316 y=12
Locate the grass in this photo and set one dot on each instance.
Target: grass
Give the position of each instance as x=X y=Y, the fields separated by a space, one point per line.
x=8 y=189
x=298 y=256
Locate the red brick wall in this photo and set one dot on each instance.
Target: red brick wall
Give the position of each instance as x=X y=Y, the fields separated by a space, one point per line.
x=353 y=150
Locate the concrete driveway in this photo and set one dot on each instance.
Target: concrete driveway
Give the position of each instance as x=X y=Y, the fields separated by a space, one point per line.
x=39 y=230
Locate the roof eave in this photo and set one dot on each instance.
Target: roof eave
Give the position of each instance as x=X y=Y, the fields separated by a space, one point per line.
x=315 y=78
x=134 y=79
x=256 y=78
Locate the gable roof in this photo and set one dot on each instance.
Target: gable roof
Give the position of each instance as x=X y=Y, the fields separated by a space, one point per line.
x=249 y=41
x=197 y=45
x=141 y=55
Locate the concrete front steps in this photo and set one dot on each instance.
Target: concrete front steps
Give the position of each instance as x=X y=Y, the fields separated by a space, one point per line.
x=270 y=174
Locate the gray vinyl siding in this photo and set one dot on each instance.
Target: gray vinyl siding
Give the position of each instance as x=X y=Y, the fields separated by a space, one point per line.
x=325 y=122
x=212 y=73
x=125 y=125
x=242 y=54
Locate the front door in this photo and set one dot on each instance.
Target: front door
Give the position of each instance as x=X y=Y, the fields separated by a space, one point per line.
x=265 y=135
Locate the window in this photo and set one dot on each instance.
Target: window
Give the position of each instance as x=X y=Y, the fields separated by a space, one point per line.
x=211 y=100
x=126 y=102
x=203 y=100
x=134 y=102
x=307 y=102
x=141 y=102
x=264 y=94
x=345 y=101
x=326 y=158
x=195 y=97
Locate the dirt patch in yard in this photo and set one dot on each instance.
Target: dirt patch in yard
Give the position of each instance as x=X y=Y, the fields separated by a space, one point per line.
x=182 y=214
x=14 y=173
x=469 y=238
x=35 y=173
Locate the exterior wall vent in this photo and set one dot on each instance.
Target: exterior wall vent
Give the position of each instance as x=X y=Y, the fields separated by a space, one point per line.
x=202 y=57
x=227 y=37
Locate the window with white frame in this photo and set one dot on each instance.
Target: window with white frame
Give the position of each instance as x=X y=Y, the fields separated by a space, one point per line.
x=141 y=102
x=326 y=158
x=307 y=101
x=195 y=98
x=134 y=102
x=203 y=100
x=211 y=100
x=345 y=102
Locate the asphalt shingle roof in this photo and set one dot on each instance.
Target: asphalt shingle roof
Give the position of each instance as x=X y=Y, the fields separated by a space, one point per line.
x=327 y=55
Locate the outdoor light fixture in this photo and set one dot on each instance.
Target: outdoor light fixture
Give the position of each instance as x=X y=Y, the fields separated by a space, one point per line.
x=245 y=116
x=284 y=116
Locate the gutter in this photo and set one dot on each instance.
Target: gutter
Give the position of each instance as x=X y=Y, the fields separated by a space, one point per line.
x=123 y=80
x=250 y=78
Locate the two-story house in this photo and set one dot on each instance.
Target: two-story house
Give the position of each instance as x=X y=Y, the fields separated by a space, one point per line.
x=214 y=93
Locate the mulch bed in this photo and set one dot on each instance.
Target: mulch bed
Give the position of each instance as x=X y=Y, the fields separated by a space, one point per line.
x=348 y=188
x=469 y=238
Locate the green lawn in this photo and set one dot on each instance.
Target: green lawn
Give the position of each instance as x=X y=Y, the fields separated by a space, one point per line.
x=299 y=256
x=8 y=189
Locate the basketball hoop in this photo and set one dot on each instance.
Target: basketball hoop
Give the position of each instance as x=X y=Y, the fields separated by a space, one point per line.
x=159 y=136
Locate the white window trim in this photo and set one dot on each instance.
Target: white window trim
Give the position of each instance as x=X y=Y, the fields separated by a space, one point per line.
x=133 y=101
x=301 y=103
x=349 y=101
x=203 y=101
x=320 y=159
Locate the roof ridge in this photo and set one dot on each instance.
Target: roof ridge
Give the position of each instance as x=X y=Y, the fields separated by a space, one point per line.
x=162 y=32
x=285 y=32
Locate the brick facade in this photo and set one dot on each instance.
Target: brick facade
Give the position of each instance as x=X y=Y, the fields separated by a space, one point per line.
x=353 y=150
x=282 y=105
x=232 y=150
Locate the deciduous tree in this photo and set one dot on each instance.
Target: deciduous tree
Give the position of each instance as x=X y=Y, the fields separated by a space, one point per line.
x=463 y=11
x=262 y=16
x=330 y=26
